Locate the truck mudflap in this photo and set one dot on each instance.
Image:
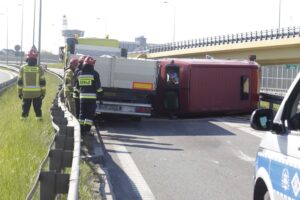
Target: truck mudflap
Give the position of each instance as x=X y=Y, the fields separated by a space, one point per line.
x=135 y=109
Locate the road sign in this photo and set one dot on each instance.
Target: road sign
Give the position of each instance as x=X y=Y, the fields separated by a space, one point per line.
x=17 y=47
x=291 y=66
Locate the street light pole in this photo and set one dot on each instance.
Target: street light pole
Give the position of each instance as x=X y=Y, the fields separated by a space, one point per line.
x=34 y=13
x=6 y=36
x=174 y=19
x=40 y=33
x=279 y=14
x=105 y=25
x=21 y=55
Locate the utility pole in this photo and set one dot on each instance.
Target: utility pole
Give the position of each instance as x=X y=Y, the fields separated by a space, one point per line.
x=21 y=55
x=279 y=13
x=6 y=36
x=40 y=33
x=174 y=19
x=34 y=13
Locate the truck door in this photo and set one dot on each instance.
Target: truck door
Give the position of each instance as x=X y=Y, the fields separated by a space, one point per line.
x=171 y=89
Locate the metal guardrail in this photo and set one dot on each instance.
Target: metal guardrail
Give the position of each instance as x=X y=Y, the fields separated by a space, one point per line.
x=8 y=83
x=64 y=152
x=271 y=98
x=270 y=34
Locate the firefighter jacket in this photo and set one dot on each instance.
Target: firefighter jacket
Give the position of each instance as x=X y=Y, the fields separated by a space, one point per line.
x=88 y=83
x=68 y=88
x=75 y=93
x=31 y=82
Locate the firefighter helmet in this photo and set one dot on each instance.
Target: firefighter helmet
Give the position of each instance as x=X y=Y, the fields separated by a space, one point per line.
x=81 y=58
x=74 y=63
x=89 y=61
x=32 y=54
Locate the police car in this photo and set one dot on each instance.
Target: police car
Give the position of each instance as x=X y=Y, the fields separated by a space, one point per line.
x=277 y=167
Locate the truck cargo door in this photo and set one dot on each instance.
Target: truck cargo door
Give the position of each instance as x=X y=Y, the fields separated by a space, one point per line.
x=171 y=89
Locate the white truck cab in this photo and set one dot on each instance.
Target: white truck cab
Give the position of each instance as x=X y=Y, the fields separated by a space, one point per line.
x=277 y=166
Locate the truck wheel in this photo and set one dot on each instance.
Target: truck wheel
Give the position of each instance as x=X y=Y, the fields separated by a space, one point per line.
x=267 y=196
x=136 y=119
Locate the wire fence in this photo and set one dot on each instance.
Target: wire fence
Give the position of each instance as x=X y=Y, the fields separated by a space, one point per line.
x=276 y=79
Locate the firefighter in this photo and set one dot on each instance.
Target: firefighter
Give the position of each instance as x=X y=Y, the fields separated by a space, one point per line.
x=75 y=91
x=68 y=87
x=31 y=85
x=89 y=87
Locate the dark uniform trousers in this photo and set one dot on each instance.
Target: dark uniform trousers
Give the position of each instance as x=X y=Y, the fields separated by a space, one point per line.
x=37 y=104
x=77 y=107
x=87 y=113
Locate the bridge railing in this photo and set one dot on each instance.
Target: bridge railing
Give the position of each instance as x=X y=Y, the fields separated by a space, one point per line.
x=270 y=34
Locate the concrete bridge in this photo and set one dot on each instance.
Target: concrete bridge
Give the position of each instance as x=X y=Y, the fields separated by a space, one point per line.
x=279 y=46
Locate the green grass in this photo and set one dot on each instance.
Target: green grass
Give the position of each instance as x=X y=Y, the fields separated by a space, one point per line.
x=23 y=144
x=86 y=178
x=264 y=104
x=56 y=65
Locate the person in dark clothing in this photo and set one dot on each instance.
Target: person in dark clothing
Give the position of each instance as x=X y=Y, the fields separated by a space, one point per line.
x=89 y=86
x=75 y=92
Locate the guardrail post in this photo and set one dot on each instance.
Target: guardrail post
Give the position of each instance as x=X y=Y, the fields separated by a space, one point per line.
x=60 y=159
x=47 y=186
x=271 y=34
x=294 y=31
x=52 y=183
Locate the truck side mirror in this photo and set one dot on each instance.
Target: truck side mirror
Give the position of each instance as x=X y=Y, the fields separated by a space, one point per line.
x=262 y=119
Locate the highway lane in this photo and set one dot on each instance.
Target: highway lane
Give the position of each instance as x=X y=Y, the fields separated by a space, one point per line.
x=181 y=159
x=6 y=75
x=57 y=71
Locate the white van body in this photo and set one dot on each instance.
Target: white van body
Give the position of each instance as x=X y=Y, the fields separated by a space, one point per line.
x=277 y=166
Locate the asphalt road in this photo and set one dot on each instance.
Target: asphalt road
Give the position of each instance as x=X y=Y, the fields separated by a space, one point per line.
x=181 y=159
x=6 y=75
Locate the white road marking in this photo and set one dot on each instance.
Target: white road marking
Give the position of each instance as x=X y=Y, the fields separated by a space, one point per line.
x=242 y=126
x=244 y=156
x=11 y=74
x=137 y=180
x=215 y=161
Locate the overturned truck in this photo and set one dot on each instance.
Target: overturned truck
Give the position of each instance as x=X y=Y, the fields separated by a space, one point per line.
x=129 y=85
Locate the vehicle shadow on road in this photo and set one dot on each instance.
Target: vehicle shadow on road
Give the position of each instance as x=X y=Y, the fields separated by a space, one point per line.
x=125 y=130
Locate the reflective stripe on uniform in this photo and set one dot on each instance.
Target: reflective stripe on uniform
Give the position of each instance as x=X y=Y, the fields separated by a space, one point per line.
x=81 y=121
x=37 y=79
x=100 y=90
x=31 y=69
x=24 y=78
x=88 y=122
x=88 y=96
x=32 y=88
x=86 y=77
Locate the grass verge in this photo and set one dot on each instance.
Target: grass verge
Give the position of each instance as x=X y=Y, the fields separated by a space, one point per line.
x=56 y=65
x=87 y=177
x=264 y=104
x=23 y=144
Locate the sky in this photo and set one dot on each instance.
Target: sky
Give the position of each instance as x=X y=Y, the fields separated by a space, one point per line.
x=126 y=19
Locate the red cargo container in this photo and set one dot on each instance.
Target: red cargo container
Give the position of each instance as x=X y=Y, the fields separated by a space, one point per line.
x=203 y=86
